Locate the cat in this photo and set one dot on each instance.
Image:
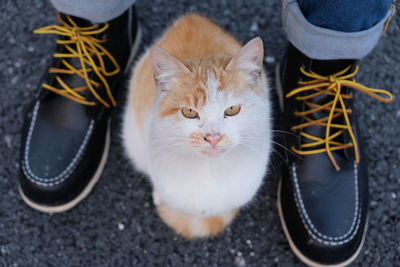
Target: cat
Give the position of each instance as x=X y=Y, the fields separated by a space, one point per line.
x=197 y=123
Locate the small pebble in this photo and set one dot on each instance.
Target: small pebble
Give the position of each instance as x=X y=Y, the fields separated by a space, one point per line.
x=248 y=241
x=14 y=80
x=7 y=140
x=254 y=26
x=121 y=226
x=240 y=261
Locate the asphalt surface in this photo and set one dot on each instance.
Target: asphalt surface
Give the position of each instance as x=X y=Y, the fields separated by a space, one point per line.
x=117 y=224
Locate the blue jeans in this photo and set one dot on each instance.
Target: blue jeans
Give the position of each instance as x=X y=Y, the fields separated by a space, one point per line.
x=345 y=15
x=335 y=29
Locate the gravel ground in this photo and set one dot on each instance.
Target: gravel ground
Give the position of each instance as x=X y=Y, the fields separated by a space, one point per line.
x=117 y=224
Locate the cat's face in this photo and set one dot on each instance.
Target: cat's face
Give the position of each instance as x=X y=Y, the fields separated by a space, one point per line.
x=212 y=106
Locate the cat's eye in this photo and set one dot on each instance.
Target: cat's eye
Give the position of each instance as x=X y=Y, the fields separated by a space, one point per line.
x=232 y=110
x=190 y=113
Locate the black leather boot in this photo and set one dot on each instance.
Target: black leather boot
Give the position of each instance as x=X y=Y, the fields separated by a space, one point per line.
x=66 y=136
x=323 y=191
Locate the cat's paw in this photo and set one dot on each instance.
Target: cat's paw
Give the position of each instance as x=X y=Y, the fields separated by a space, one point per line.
x=190 y=226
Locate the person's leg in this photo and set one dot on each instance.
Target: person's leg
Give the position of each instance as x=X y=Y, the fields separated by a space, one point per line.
x=323 y=195
x=345 y=15
x=335 y=29
x=93 y=10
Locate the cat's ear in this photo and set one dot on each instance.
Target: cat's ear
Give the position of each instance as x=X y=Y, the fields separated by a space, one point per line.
x=165 y=68
x=249 y=59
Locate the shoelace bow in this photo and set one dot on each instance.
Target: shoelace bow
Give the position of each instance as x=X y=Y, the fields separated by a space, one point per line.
x=330 y=85
x=81 y=44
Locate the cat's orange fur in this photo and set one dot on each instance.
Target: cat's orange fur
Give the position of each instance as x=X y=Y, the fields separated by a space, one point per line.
x=202 y=46
x=193 y=226
x=201 y=39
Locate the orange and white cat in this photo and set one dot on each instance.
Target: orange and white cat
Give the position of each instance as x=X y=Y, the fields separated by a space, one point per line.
x=198 y=123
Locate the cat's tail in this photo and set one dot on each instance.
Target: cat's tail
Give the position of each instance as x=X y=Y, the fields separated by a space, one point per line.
x=190 y=226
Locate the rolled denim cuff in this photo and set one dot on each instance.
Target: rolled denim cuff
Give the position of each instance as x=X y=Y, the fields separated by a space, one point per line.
x=325 y=44
x=96 y=11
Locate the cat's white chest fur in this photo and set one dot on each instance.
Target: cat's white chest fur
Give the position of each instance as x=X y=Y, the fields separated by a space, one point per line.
x=208 y=187
x=196 y=184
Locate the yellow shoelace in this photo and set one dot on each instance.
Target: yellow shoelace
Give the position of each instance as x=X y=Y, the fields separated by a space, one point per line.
x=330 y=85
x=81 y=44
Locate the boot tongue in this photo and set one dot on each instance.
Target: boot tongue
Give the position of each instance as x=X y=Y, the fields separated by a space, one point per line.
x=329 y=67
x=80 y=22
x=325 y=68
x=71 y=115
x=73 y=80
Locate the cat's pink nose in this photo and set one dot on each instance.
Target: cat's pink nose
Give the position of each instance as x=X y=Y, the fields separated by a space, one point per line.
x=213 y=139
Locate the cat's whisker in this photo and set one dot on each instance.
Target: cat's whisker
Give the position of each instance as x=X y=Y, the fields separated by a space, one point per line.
x=288 y=150
x=283 y=159
x=162 y=139
x=260 y=132
x=279 y=154
x=254 y=135
x=166 y=155
x=275 y=172
x=247 y=146
x=166 y=140
x=254 y=140
x=166 y=151
x=285 y=132
x=163 y=144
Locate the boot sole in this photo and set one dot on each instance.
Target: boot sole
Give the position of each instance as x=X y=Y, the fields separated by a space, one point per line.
x=293 y=247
